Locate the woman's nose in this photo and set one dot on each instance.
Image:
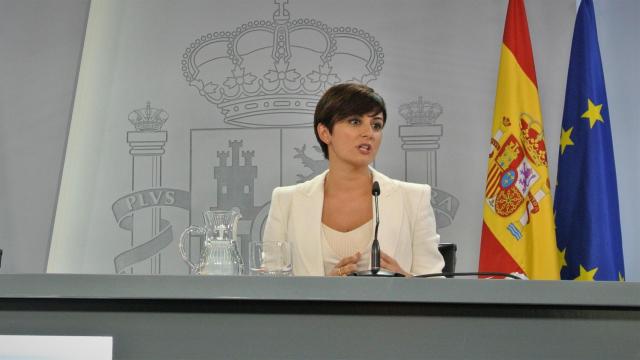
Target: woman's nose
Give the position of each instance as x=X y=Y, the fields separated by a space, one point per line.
x=367 y=130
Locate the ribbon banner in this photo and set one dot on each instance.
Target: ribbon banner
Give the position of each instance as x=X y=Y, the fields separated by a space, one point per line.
x=124 y=210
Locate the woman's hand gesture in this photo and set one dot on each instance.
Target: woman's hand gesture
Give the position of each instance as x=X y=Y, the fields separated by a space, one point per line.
x=389 y=263
x=346 y=265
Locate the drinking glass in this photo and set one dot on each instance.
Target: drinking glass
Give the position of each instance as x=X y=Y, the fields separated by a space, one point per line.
x=270 y=258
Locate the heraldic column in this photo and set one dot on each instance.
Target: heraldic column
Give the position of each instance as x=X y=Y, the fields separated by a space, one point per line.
x=421 y=140
x=146 y=147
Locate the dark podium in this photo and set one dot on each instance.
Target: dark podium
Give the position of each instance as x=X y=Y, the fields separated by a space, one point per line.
x=200 y=317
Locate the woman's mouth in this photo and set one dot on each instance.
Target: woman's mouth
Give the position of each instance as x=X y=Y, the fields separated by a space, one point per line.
x=364 y=148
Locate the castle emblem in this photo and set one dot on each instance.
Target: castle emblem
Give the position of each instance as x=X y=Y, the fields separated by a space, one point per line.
x=235 y=182
x=277 y=67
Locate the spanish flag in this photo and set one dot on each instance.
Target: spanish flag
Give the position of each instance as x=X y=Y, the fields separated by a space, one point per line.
x=518 y=234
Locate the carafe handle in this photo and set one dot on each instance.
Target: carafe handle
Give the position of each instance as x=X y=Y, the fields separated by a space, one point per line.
x=181 y=245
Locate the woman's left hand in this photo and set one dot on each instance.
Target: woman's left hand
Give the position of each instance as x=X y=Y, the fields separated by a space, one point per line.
x=391 y=264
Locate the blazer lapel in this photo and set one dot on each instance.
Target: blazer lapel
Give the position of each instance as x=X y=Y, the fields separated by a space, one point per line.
x=309 y=213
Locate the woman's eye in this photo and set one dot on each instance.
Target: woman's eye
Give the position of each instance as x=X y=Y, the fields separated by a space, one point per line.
x=377 y=126
x=354 y=121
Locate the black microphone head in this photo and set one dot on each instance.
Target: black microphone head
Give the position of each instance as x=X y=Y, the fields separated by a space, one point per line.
x=375 y=189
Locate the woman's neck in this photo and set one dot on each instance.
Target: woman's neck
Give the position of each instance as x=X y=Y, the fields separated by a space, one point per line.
x=341 y=179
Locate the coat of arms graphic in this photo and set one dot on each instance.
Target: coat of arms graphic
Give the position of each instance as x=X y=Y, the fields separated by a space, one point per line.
x=265 y=78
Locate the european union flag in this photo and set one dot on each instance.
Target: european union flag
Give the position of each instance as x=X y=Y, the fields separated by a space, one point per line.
x=586 y=200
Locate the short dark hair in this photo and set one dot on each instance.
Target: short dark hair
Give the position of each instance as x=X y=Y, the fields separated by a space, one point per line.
x=344 y=100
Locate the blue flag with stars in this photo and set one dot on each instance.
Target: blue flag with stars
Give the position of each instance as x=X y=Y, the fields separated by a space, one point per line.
x=586 y=199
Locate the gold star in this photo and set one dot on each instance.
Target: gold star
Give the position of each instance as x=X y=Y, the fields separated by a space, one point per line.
x=565 y=139
x=586 y=275
x=620 y=277
x=561 y=258
x=593 y=113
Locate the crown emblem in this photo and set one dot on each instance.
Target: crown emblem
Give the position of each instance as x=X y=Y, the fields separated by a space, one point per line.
x=533 y=139
x=278 y=67
x=148 y=118
x=420 y=112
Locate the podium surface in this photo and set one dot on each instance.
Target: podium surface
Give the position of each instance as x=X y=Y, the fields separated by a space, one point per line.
x=206 y=317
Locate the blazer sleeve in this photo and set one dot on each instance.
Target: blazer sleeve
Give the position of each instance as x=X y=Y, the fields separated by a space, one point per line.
x=426 y=257
x=276 y=226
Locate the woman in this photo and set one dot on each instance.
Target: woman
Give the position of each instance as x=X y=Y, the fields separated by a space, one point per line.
x=328 y=220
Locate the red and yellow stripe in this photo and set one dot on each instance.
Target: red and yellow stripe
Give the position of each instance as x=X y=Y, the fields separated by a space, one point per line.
x=535 y=253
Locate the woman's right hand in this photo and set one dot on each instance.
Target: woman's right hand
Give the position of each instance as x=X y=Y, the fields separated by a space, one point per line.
x=346 y=265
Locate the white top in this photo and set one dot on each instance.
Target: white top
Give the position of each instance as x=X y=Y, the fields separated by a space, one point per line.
x=337 y=245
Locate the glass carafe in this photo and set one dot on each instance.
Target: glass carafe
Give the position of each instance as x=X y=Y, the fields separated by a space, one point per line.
x=219 y=253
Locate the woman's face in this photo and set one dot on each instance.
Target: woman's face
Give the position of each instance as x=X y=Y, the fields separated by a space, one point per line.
x=355 y=139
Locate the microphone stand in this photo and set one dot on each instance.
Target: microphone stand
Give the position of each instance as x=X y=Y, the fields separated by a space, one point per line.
x=376 y=270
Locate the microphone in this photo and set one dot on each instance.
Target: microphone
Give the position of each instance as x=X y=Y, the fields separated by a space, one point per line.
x=375 y=247
x=376 y=270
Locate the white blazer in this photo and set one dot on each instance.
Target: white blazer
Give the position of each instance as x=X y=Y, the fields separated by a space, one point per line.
x=407 y=229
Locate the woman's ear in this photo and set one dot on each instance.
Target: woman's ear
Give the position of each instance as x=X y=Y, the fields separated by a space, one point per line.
x=324 y=134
